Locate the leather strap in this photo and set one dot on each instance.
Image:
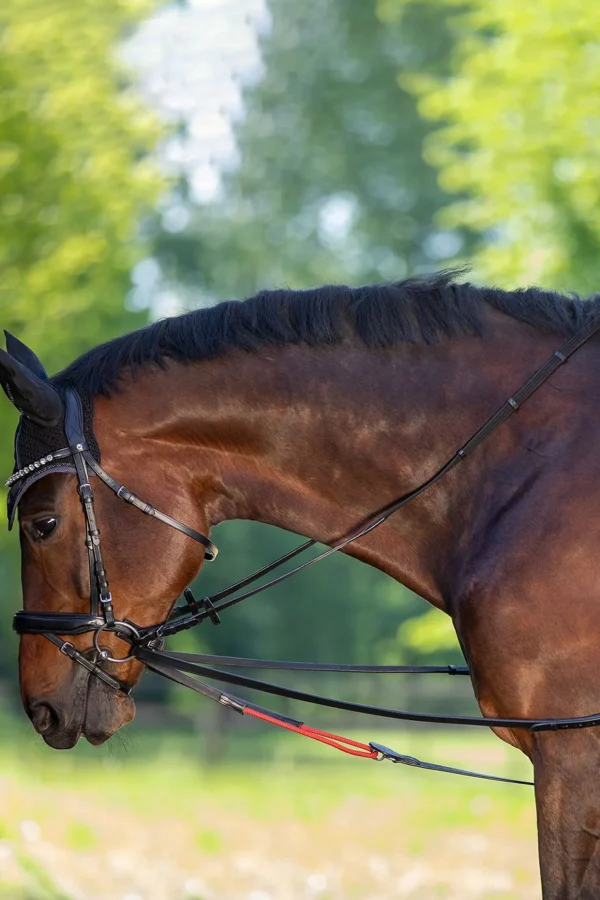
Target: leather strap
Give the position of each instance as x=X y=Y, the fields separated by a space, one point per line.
x=241 y=706
x=69 y=650
x=121 y=491
x=100 y=596
x=185 y=662
x=404 y=760
x=30 y=622
x=246 y=663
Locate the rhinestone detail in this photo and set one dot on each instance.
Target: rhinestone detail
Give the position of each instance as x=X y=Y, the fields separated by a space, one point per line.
x=38 y=464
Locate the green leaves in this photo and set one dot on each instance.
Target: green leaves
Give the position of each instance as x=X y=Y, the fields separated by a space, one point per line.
x=74 y=173
x=519 y=136
x=75 y=182
x=331 y=184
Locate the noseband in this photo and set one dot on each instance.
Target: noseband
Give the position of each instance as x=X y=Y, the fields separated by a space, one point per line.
x=148 y=643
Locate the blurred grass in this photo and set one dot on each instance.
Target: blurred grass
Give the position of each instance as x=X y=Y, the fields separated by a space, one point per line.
x=146 y=819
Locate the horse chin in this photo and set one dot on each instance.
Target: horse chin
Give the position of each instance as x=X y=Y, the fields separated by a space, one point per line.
x=106 y=711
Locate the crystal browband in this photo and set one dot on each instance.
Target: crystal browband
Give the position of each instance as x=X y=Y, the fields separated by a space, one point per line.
x=38 y=464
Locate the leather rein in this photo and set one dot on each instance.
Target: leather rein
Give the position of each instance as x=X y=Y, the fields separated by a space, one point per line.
x=148 y=644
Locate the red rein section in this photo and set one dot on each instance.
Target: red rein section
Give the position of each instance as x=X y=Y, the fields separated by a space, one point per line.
x=346 y=745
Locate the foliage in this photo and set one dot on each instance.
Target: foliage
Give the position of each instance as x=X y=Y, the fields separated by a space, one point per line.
x=331 y=184
x=430 y=633
x=75 y=180
x=519 y=135
x=340 y=610
x=74 y=172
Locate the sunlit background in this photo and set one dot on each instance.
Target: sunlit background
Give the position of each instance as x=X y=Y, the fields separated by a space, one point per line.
x=158 y=157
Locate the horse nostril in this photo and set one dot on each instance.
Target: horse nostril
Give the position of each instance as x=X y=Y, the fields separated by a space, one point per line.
x=44 y=717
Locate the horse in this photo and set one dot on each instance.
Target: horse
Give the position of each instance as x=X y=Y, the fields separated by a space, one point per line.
x=308 y=410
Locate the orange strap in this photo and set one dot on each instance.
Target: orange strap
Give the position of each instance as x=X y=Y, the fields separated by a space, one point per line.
x=346 y=745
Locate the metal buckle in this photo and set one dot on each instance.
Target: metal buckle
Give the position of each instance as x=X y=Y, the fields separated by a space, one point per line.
x=157 y=643
x=393 y=755
x=115 y=627
x=203 y=605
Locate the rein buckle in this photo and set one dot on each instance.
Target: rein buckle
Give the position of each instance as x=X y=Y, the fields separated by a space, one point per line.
x=203 y=605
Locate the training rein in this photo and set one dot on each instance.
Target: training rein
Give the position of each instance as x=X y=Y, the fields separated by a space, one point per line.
x=148 y=644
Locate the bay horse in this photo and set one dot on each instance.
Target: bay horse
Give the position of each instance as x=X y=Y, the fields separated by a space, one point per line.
x=308 y=410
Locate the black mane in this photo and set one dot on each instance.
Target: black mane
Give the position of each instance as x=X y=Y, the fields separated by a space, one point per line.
x=417 y=309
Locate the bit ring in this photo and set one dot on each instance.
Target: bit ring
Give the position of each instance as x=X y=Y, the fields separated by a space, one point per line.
x=103 y=654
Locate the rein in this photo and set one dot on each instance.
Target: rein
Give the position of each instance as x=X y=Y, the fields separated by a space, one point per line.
x=148 y=644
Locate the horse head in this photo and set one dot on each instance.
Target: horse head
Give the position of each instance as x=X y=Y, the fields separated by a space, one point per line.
x=67 y=599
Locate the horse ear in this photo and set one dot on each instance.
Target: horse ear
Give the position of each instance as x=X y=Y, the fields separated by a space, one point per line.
x=35 y=398
x=23 y=354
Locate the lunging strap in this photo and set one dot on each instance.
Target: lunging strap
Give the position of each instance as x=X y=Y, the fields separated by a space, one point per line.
x=337 y=741
x=187 y=662
x=372 y=750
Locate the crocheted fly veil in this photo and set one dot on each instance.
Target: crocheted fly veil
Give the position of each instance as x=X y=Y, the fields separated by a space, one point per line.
x=35 y=449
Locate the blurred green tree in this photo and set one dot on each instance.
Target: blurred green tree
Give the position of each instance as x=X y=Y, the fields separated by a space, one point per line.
x=519 y=135
x=75 y=182
x=74 y=172
x=331 y=183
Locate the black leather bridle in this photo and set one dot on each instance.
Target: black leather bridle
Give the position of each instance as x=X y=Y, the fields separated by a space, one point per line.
x=147 y=644
x=101 y=616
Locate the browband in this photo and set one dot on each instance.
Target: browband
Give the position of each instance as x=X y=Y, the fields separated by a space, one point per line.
x=78 y=459
x=78 y=447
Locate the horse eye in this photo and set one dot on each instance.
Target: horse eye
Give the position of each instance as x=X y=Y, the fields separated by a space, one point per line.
x=44 y=527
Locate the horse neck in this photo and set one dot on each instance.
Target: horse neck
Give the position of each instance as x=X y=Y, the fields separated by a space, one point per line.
x=314 y=440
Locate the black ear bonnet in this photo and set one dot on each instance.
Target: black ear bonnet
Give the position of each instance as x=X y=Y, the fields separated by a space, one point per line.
x=35 y=444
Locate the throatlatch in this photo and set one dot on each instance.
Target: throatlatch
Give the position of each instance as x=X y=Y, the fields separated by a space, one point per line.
x=81 y=456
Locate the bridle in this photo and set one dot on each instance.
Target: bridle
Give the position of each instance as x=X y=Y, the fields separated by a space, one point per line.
x=148 y=644
x=101 y=616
